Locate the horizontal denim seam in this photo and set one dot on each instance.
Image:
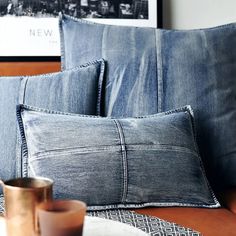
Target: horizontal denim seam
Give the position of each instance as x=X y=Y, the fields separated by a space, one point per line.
x=47 y=111
x=128 y=147
x=74 y=69
x=59 y=152
x=185 y=109
x=124 y=159
x=161 y=147
x=152 y=204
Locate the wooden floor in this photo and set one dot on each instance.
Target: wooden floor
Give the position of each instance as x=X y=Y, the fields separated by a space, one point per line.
x=28 y=68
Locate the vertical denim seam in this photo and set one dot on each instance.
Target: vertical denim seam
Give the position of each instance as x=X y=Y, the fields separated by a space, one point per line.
x=100 y=86
x=62 y=41
x=24 y=150
x=24 y=82
x=124 y=159
x=105 y=77
x=22 y=101
x=159 y=70
x=19 y=156
x=18 y=170
x=194 y=137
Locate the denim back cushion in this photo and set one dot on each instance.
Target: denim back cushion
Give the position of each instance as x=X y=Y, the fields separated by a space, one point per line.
x=110 y=163
x=77 y=90
x=154 y=70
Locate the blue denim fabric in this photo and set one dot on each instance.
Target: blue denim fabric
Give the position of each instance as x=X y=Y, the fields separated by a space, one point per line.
x=9 y=97
x=131 y=56
x=199 y=68
x=116 y=163
x=77 y=90
x=154 y=70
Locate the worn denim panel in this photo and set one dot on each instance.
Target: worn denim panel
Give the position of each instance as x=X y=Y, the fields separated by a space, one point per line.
x=177 y=158
x=9 y=95
x=77 y=169
x=117 y=163
x=77 y=90
x=131 y=72
x=177 y=176
x=196 y=67
x=199 y=68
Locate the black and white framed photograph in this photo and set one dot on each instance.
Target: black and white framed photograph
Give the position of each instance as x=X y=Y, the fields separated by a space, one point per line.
x=30 y=27
x=118 y=12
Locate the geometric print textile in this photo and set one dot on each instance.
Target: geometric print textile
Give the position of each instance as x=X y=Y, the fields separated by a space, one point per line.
x=152 y=225
x=1 y=204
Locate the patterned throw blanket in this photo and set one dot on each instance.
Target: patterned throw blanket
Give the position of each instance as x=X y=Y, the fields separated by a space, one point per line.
x=1 y=204
x=149 y=224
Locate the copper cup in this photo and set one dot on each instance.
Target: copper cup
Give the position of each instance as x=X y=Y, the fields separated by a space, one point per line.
x=21 y=196
x=61 y=218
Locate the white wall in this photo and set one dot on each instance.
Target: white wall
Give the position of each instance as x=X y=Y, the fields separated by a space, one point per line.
x=192 y=14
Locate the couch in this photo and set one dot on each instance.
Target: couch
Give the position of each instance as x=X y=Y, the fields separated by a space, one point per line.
x=210 y=222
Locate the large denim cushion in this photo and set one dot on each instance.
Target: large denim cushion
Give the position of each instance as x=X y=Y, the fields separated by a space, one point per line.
x=116 y=163
x=131 y=56
x=154 y=70
x=77 y=90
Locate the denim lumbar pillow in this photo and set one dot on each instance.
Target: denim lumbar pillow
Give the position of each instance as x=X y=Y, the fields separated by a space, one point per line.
x=154 y=70
x=117 y=163
x=77 y=90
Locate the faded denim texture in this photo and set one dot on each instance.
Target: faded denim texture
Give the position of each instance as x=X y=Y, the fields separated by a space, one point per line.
x=77 y=90
x=154 y=70
x=9 y=97
x=116 y=163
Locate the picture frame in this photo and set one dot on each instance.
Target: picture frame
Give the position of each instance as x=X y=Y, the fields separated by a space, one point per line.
x=29 y=28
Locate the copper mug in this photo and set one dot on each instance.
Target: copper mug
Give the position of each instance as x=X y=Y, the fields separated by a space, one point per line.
x=22 y=195
x=61 y=218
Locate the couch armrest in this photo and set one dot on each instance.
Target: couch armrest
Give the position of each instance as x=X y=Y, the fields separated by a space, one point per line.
x=228 y=199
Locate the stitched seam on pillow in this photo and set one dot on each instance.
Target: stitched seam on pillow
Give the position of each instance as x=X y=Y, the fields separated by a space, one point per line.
x=124 y=159
x=151 y=204
x=23 y=85
x=48 y=111
x=100 y=85
x=181 y=109
x=19 y=145
x=158 y=147
x=19 y=111
x=18 y=139
x=31 y=169
x=74 y=69
x=62 y=42
x=72 y=151
x=194 y=136
x=159 y=70
x=18 y=153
